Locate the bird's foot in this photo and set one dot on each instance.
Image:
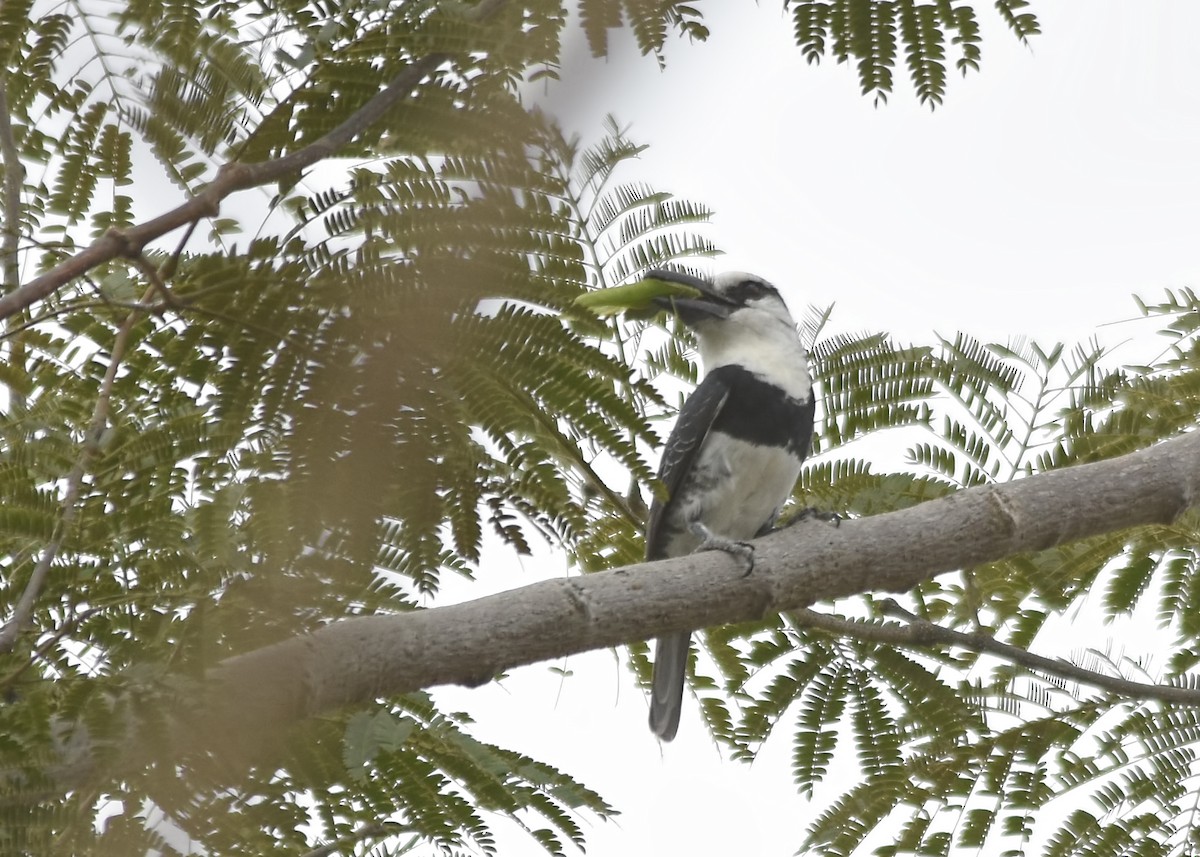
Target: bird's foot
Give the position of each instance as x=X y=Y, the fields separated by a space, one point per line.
x=743 y=551
x=810 y=513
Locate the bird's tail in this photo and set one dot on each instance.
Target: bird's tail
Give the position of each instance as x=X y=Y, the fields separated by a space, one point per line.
x=666 y=689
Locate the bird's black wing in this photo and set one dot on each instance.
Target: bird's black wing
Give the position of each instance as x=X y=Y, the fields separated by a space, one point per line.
x=696 y=418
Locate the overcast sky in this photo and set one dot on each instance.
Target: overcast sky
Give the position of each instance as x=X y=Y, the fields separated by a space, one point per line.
x=1067 y=166
x=1050 y=187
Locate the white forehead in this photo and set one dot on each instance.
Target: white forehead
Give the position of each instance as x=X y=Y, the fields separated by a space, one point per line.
x=728 y=279
x=750 y=290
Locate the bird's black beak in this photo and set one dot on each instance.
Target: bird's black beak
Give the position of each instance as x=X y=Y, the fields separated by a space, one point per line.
x=709 y=305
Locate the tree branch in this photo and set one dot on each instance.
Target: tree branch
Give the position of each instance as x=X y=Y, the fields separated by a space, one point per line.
x=10 y=229
x=230 y=178
x=10 y=213
x=233 y=177
x=247 y=702
x=70 y=502
x=917 y=633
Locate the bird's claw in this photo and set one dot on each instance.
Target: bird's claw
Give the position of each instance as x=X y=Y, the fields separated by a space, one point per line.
x=743 y=551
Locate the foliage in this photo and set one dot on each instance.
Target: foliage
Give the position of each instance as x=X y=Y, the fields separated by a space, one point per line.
x=871 y=33
x=396 y=322
x=394 y=326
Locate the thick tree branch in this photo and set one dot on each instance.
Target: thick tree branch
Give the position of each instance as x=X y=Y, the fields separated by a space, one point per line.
x=233 y=177
x=918 y=633
x=249 y=700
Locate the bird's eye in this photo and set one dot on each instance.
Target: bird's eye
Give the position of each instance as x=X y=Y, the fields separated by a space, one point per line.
x=748 y=290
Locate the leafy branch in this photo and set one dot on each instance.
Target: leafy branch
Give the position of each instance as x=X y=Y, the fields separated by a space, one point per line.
x=369 y=831
x=233 y=177
x=10 y=208
x=24 y=607
x=918 y=633
x=866 y=31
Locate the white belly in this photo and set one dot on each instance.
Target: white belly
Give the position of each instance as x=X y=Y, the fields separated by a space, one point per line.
x=734 y=489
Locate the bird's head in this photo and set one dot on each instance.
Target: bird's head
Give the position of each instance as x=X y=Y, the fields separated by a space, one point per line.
x=740 y=319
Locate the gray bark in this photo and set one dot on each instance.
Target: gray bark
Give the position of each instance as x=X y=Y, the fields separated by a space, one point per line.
x=241 y=713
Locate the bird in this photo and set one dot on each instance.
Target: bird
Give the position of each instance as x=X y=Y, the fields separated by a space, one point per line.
x=734 y=455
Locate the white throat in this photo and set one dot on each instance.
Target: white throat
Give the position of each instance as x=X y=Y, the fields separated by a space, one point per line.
x=762 y=343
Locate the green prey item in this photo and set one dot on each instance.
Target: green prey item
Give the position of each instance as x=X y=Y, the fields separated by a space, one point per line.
x=635 y=300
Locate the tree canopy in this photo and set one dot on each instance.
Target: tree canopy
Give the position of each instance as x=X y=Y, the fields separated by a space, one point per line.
x=289 y=327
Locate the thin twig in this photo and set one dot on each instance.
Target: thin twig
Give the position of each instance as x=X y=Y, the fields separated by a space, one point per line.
x=167 y=271
x=14 y=177
x=10 y=226
x=153 y=274
x=76 y=306
x=231 y=178
x=49 y=643
x=918 y=633
x=70 y=502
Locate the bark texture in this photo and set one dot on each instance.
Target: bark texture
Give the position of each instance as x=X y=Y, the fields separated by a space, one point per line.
x=241 y=713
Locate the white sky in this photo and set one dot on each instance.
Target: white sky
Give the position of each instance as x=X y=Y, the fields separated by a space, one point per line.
x=1052 y=185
